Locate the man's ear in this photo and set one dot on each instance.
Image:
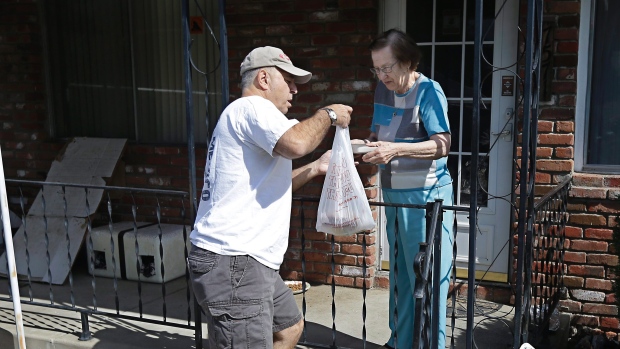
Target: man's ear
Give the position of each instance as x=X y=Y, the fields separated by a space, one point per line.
x=262 y=79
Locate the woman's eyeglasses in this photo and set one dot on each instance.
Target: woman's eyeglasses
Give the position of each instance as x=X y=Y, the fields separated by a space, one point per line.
x=386 y=69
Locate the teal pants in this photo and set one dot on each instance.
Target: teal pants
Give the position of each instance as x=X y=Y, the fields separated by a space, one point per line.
x=412 y=231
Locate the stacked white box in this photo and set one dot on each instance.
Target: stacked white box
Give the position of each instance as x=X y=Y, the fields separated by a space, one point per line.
x=149 y=258
x=103 y=255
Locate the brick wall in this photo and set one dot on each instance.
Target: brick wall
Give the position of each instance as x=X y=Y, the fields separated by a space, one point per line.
x=594 y=199
x=330 y=39
x=27 y=147
x=27 y=151
x=591 y=257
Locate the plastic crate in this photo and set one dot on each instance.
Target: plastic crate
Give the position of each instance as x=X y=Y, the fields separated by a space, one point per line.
x=102 y=251
x=149 y=261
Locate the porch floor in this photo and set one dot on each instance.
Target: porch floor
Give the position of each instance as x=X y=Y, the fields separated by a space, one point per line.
x=60 y=329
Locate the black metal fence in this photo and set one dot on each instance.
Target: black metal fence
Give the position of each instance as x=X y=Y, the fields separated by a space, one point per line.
x=544 y=263
x=128 y=222
x=134 y=238
x=427 y=269
x=540 y=230
x=128 y=234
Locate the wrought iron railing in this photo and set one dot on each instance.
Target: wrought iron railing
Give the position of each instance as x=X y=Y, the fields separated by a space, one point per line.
x=116 y=242
x=427 y=269
x=527 y=171
x=123 y=213
x=426 y=330
x=305 y=338
x=544 y=259
x=112 y=296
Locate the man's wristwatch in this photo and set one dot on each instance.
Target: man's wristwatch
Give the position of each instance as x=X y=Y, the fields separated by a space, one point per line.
x=332 y=115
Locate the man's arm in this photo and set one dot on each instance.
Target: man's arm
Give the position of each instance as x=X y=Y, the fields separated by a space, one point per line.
x=304 y=137
x=304 y=174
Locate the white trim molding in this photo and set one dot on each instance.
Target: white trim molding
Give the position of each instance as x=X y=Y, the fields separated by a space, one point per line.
x=582 y=98
x=583 y=70
x=393 y=14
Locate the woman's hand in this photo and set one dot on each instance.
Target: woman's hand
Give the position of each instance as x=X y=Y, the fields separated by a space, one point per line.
x=384 y=153
x=362 y=141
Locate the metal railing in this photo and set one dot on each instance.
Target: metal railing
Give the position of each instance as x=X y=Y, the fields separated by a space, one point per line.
x=314 y=342
x=427 y=268
x=132 y=239
x=114 y=226
x=426 y=322
x=544 y=260
x=112 y=295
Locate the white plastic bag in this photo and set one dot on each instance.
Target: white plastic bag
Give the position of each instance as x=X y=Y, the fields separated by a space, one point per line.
x=343 y=207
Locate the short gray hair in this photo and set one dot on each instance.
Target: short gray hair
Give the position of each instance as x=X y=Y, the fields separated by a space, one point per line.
x=248 y=76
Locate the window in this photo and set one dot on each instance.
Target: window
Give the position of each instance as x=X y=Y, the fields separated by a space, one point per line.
x=446 y=40
x=117 y=70
x=598 y=105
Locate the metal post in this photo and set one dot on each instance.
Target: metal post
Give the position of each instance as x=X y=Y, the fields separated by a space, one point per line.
x=224 y=53
x=473 y=174
x=10 y=254
x=191 y=156
x=189 y=117
x=527 y=176
x=85 y=335
x=437 y=260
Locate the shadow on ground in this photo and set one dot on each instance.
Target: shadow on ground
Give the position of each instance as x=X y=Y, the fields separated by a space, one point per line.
x=323 y=336
x=62 y=329
x=129 y=336
x=493 y=324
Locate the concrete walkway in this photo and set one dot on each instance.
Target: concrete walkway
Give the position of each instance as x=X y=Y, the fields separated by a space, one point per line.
x=49 y=328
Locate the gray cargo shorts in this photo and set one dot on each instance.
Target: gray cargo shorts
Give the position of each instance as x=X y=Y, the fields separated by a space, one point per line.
x=245 y=301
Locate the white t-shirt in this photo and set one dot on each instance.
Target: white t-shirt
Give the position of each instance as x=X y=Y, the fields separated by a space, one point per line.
x=245 y=204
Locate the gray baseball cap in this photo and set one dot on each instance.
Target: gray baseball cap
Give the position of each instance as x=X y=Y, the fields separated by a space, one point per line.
x=269 y=56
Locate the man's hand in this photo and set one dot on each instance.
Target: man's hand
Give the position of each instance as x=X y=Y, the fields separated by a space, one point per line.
x=343 y=112
x=318 y=167
x=322 y=163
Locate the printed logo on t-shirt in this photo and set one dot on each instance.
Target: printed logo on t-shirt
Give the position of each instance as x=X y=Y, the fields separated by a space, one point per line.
x=206 y=190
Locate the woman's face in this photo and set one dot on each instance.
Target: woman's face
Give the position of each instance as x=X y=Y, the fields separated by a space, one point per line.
x=398 y=78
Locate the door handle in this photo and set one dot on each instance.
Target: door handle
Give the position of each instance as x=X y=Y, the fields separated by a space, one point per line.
x=506 y=134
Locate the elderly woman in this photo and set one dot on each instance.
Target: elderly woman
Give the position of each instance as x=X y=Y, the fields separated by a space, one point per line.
x=411 y=133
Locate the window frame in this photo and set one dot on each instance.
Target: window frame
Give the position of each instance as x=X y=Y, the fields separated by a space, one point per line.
x=215 y=101
x=582 y=98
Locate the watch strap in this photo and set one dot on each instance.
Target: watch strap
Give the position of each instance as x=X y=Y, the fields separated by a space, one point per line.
x=331 y=114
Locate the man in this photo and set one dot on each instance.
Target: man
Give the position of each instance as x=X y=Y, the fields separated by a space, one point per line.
x=242 y=226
